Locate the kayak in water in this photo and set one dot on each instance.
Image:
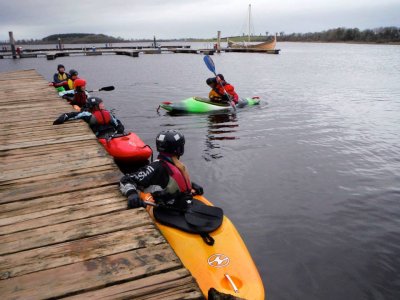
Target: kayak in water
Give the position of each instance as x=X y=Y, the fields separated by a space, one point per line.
x=224 y=265
x=205 y=105
x=126 y=147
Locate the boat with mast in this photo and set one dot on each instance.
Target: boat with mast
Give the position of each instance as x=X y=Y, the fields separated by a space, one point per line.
x=267 y=45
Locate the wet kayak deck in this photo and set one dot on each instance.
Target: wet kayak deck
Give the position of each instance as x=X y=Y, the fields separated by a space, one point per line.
x=65 y=231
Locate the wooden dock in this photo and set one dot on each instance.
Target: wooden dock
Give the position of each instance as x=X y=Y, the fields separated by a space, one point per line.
x=65 y=231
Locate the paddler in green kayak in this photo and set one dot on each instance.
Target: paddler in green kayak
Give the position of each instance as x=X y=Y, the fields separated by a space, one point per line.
x=221 y=91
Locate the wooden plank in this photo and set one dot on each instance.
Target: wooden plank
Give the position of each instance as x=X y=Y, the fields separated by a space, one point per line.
x=57 y=201
x=92 y=274
x=30 y=190
x=177 y=283
x=61 y=215
x=34 y=206
x=64 y=232
x=49 y=141
x=54 y=168
x=49 y=257
x=66 y=175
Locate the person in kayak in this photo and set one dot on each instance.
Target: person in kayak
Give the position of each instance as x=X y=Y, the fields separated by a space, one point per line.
x=79 y=97
x=167 y=178
x=101 y=121
x=218 y=87
x=60 y=79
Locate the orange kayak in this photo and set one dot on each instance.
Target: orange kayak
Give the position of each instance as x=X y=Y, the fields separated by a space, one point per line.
x=226 y=266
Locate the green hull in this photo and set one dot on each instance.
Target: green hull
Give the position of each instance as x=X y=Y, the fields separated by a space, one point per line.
x=203 y=105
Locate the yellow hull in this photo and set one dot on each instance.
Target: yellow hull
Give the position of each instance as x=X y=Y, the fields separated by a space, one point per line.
x=214 y=266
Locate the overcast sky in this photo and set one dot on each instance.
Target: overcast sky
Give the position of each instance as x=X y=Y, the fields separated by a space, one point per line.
x=189 y=18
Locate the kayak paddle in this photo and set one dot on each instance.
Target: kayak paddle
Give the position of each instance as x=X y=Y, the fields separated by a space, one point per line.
x=106 y=88
x=211 y=66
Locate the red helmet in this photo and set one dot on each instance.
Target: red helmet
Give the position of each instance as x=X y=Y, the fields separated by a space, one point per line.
x=79 y=82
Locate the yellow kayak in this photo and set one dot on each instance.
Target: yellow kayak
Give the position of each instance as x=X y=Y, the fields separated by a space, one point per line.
x=226 y=266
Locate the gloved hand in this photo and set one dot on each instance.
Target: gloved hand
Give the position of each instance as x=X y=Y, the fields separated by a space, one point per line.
x=198 y=190
x=65 y=97
x=61 y=119
x=126 y=187
x=134 y=201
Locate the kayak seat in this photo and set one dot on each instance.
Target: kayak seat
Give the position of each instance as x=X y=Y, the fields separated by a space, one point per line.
x=176 y=219
x=206 y=100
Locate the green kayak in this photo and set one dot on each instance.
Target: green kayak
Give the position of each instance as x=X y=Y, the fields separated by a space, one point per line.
x=204 y=105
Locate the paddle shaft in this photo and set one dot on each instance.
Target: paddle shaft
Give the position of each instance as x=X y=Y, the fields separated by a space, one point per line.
x=211 y=66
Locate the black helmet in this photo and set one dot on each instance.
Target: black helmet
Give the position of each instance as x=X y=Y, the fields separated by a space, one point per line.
x=73 y=72
x=211 y=80
x=171 y=142
x=92 y=102
x=60 y=66
x=221 y=76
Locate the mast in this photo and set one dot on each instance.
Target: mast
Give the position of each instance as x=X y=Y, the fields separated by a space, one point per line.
x=249 y=22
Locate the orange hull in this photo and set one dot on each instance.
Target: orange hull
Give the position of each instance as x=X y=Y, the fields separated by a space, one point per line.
x=212 y=265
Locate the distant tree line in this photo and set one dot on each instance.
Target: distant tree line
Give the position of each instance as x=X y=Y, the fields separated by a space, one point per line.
x=341 y=34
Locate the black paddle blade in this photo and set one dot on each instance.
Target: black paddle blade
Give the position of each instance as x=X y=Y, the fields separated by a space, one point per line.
x=204 y=215
x=107 y=88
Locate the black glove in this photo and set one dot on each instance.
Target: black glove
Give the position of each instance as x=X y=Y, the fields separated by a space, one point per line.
x=61 y=119
x=134 y=201
x=197 y=188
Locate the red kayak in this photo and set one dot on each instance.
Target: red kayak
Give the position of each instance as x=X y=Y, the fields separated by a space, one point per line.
x=127 y=148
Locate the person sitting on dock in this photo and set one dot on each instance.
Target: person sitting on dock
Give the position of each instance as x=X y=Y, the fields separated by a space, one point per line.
x=79 y=96
x=167 y=178
x=73 y=75
x=221 y=91
x=60 y=79
x=100 y=120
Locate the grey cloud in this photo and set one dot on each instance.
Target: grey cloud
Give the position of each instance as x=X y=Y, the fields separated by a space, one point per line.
x=182 y=18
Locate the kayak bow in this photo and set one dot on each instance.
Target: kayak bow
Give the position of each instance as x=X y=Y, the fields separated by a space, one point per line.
x=226 y=266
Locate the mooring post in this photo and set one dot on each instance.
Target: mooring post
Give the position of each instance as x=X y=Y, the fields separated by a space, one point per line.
x=59 y=43
x=155 y=42
x=219 y=41
x=12 y=43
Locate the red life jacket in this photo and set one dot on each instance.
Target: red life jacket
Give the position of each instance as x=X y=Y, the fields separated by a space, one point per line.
x=229 y=89
x=184 y=185
x=103 y=117
x=80 y=99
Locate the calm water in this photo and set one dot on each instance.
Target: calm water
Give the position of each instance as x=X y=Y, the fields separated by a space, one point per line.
x=310 y=178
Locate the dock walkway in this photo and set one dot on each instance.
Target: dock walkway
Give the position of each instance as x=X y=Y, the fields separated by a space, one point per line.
x=65 y=231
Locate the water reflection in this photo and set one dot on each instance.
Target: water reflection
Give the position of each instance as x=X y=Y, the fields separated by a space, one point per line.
x=220 y=127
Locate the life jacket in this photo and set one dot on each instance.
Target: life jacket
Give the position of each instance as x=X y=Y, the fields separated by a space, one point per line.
x=70 y=84
x=214 y=94
x=80 y=99
x=229 y=89
x=176 y=179
x=62 y=77
x=103 y=117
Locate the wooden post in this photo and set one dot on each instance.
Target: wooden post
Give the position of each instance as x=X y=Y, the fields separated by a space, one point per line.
x=155 y=42
x=219 y=41
x=12 y=43
x=59 y=43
